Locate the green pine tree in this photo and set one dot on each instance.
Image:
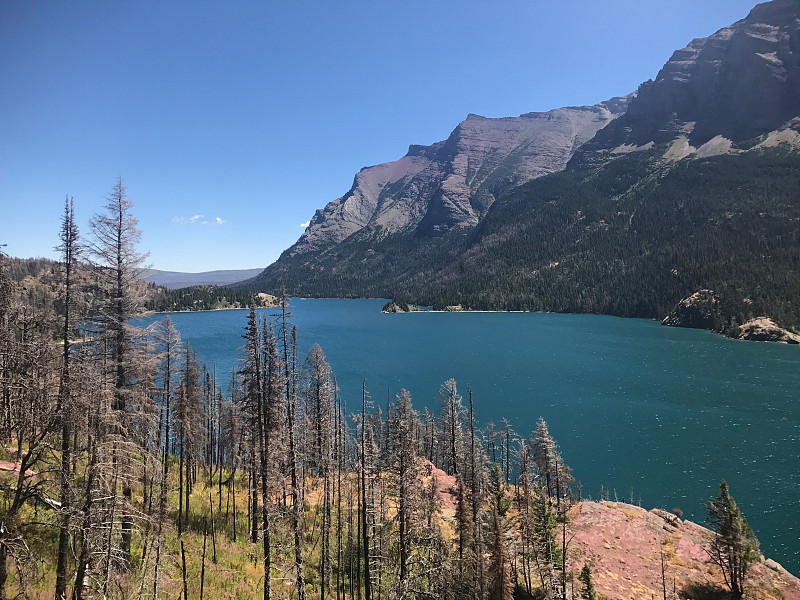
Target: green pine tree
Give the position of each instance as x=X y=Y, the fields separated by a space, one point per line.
x=588 y=592
x=734 y=546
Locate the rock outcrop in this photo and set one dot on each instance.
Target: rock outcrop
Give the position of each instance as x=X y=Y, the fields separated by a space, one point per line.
x=764 y=329
x=698 y=311
x=703 y=310
x=454 y=182
x=623 y=544
x=392 y=307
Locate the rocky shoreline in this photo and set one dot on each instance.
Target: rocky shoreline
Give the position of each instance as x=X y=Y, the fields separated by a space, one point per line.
x=703 y=310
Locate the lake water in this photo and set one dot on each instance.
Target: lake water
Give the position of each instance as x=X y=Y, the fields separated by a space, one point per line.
x=664 y=412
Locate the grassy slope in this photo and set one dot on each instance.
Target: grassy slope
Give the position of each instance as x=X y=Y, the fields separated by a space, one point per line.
x=622 y=543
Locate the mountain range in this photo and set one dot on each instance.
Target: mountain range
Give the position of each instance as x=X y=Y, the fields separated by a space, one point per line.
x=175 y=279
x=626 y=207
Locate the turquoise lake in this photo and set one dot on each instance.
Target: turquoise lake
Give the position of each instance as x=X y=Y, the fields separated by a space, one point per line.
x=650 y=412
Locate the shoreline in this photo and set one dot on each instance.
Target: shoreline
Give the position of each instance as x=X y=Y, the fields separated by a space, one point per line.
x=422 y=310
x=781 y=336
x=204 y=310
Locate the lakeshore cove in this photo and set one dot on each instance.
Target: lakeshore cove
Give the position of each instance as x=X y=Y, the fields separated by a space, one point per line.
x=643 y=413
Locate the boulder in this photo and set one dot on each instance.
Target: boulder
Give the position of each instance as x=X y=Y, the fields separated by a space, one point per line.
x=764 y=329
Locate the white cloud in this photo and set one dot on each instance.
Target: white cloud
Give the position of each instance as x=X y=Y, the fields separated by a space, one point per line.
x=306 y=224
x=198 y=220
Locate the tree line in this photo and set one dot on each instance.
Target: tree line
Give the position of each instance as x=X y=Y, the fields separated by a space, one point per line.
x=120 y=449
x=40 y=279
x=199 y=297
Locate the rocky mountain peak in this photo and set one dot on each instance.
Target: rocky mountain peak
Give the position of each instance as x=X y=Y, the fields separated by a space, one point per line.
x=452 y=183
x=739 y=83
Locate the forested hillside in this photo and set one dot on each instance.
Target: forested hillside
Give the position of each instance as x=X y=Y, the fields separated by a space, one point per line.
x=635 y=237
x=202 y=297
x=631 y=238
x=40 y=278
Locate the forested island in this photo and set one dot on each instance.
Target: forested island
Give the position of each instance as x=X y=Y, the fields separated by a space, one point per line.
x=203 y=297
x=128 y=471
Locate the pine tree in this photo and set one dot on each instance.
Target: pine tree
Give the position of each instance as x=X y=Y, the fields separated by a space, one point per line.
x=169 y=342
x=588 y=592
x=503 y=585
x=366 y=466
x=70 y=251
x=320 y=410
x=290 y=376
x=270 y=416
x=402 y=426
x=556 y=475
x=734 y=546
x=452 y=424
x=476 y=476
x=118 y=267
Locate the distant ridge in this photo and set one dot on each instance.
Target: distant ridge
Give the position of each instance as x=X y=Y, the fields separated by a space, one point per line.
x=175 y=279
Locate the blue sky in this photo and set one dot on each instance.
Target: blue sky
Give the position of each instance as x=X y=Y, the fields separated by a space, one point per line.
x=232 y=122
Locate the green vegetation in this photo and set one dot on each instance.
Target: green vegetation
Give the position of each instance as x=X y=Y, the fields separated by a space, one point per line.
x=201 y=297
x=40 y=278
x=588 y=592
x=734 y=547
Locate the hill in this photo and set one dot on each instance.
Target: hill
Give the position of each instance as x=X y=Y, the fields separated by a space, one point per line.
x=175 y=279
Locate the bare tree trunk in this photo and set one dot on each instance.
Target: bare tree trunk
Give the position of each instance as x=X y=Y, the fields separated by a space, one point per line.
x=478 y=586
x=3 y=571
x=339 y=466
x=253 y=496
x=185 y=584
x=233 y=493
x=290 y=362
x=203 y=567
x=263 y=433
x=83 y=560
x=63 y=537
x=70 y=251
x=364 y=530
x=180 y=486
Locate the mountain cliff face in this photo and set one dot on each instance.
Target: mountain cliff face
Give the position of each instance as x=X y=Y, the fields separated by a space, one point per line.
x=735 y=85
x=452 y=183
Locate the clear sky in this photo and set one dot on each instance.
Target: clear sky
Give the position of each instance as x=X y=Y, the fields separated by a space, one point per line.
x=232 y=122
